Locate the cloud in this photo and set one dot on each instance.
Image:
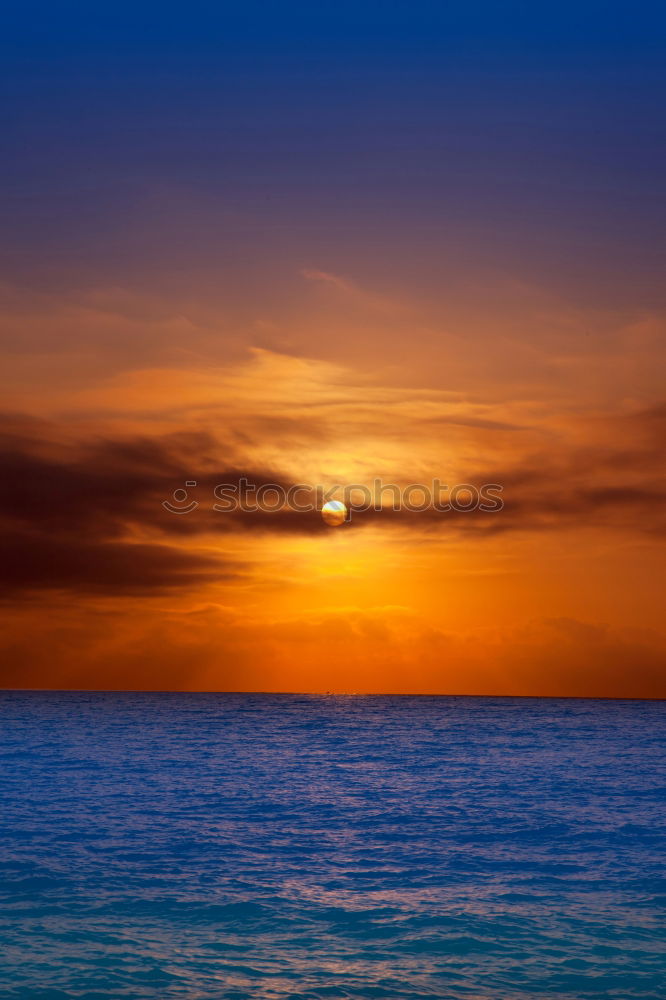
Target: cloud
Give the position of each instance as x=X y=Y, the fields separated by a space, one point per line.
x=37 y=562
x=377 y=649
x=87 y=513
x=311 y=274
x=89 y=517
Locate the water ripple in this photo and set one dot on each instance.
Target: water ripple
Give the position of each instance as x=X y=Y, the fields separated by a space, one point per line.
x=272 y=847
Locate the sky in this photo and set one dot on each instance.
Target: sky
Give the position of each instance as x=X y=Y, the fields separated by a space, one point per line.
x=328 y=244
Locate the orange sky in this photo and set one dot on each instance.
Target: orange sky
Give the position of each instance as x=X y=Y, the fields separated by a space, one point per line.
x=558 y=593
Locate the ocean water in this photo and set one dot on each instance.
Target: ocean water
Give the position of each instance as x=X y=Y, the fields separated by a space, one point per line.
x=274 y=846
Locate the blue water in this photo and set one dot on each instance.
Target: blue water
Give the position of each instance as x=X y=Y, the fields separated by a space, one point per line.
x=237 y=846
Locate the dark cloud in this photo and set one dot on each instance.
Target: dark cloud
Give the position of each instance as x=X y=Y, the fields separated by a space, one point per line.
x=34 y=561
x=617 y=482
x=90 y=517
x=108 y=485
x=70 y=514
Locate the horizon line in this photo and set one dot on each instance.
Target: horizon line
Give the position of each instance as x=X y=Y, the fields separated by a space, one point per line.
x=332 y=694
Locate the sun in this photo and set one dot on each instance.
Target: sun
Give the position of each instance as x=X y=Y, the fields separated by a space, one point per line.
x=334 y=513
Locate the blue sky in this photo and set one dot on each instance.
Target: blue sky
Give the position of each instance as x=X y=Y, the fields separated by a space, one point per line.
x=522 y=133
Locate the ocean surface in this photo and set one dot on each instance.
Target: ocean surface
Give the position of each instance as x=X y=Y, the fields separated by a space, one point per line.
x=274 y=846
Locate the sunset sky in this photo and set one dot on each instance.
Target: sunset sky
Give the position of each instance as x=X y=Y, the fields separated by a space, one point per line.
x=327 y=243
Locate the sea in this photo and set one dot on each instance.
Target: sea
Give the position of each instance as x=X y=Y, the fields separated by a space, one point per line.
x=159 y=845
